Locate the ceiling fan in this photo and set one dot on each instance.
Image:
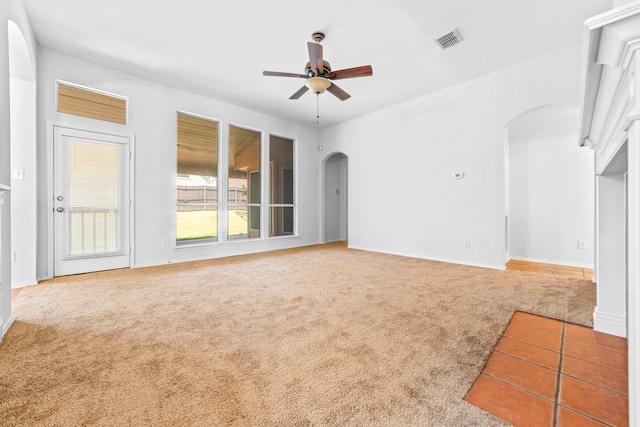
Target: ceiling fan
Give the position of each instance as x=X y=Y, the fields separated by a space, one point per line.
x=319 y=75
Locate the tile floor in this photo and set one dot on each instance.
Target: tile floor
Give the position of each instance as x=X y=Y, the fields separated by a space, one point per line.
x=556 y=270
x=545 y=372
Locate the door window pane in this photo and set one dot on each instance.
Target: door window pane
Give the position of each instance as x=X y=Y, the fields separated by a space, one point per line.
x=93 y=192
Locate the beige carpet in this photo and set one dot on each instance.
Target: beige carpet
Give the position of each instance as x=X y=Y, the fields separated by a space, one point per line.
x=323 y=335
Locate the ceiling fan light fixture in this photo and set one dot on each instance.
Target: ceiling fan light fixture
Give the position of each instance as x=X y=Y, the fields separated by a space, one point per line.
x=318 y=84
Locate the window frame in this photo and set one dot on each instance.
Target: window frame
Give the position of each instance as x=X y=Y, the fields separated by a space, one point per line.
x=230 y=207
x=294 y=196
x=216 y=204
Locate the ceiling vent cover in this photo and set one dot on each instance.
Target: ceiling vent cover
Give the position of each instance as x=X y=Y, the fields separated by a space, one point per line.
x=450 y=39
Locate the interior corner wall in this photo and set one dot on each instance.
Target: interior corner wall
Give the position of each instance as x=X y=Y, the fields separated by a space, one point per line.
x=152 y=122
x=9 y=10
x=551 y=192
x=403 y=198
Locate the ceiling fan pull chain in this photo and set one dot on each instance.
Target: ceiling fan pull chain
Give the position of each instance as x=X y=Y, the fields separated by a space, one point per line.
x=317 y=108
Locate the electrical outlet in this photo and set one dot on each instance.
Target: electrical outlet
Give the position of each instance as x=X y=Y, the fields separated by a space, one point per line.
x=582 y=244
x=466 y=243
x=165 y=242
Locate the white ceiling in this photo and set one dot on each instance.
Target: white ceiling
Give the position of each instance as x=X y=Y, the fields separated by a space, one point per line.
x=220 y=48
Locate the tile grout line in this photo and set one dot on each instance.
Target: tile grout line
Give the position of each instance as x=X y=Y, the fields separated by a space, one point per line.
x=556 y=406
x=517 y=387
x=524 y=359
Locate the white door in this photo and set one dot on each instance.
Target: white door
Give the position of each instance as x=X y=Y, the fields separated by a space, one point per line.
x=91 y=201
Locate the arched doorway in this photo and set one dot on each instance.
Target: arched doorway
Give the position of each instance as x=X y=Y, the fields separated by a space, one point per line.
x=549 y=189
x=335 y=197
x=22 y=91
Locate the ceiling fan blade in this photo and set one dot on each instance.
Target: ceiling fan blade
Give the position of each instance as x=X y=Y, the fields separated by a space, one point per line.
x=315 y=57
x=299 y=93
x=279 y=74
x=339 y=93
x=349 y=73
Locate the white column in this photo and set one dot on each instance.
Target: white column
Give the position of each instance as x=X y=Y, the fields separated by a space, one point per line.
x=633 y=248
x=610 y=314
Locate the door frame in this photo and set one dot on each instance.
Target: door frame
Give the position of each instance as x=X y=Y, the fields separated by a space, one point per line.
x=51 y=125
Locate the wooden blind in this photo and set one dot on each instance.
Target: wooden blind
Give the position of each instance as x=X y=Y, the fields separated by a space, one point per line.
x=87 y=103
x=197 y=146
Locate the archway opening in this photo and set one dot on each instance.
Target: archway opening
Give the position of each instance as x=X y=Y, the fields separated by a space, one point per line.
x=549 y=191
x=336 y=197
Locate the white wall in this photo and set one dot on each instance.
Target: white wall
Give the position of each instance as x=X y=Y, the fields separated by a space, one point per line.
x=152 y=120
x=23 y=191
x=9 y=10
x=551 y=186
x=403 y=199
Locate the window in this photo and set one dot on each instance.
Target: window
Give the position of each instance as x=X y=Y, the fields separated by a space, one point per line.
x=281 y=208
x=244 y=194
x=197 y=180
x=80 y=101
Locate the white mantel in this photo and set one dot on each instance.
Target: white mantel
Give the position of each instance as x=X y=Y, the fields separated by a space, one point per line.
x=610 y=125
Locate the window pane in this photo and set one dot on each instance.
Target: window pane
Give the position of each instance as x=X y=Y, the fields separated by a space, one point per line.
x=281 y=192
x=196 y=223
x=244 y=183
x=197 y=146
x=240 y=219
x=281 y=161
x=281 y=221
x=197 y=180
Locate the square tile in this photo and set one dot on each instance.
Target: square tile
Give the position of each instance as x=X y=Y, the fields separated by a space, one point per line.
x=597 y=354
x=589 y=335
x=595 y=374
x=526 y=375
x=538 y=322
x=509 y=403
x=569 y=418
x=534 y=336
x=532 y=353
x=600 y=403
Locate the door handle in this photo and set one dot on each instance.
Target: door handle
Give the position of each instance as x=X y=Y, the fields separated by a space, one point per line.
x=60 y=209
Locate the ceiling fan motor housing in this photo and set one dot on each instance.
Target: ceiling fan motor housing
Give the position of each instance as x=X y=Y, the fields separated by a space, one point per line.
x=326 y=68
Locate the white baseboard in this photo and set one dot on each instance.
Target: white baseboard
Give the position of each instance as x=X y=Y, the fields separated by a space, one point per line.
x=22 y=285
x=612 y=324
x=6 y=326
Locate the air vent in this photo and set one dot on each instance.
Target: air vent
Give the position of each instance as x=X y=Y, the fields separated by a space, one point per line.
x=449 y=39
